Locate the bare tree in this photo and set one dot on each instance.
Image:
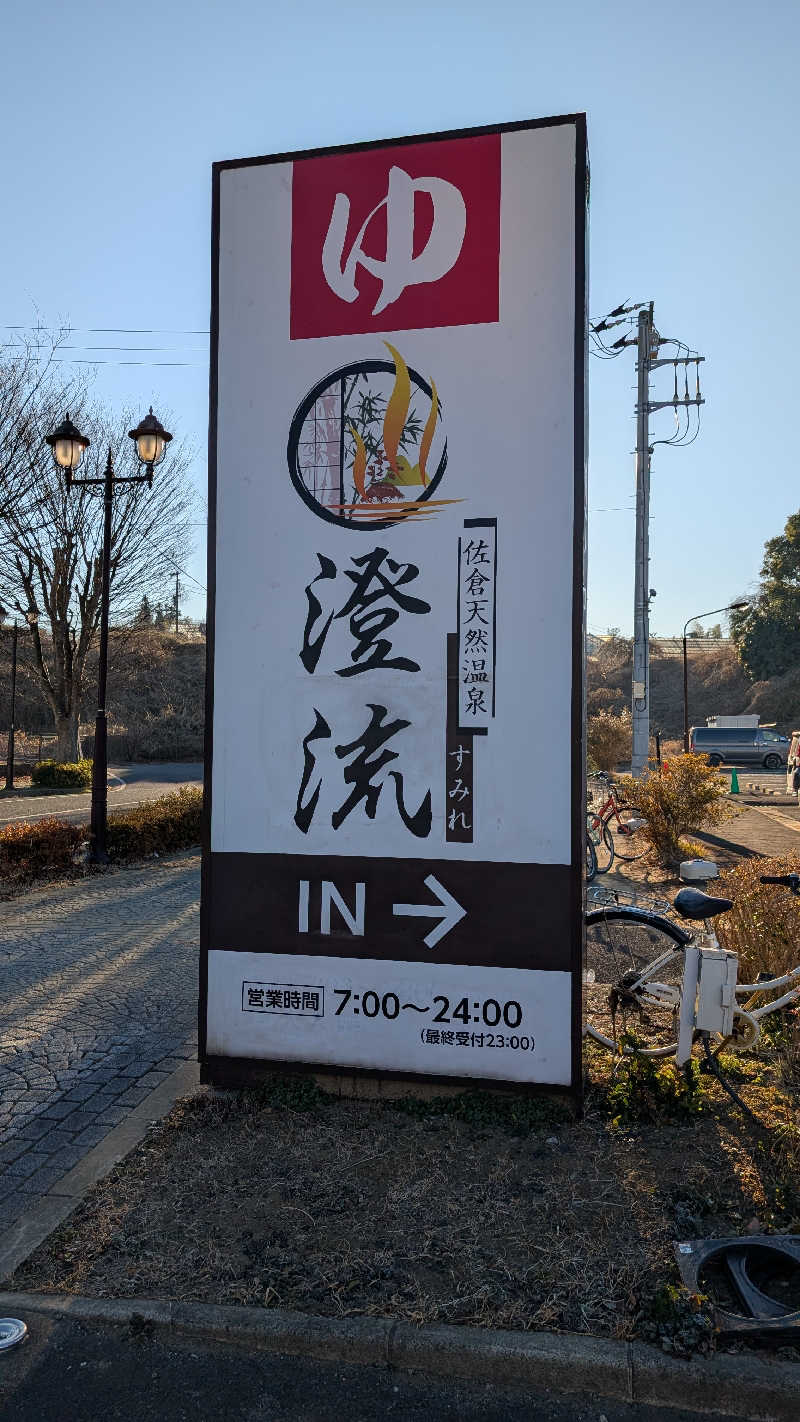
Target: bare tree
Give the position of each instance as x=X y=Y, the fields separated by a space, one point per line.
x=51 y=544
x=27 y=380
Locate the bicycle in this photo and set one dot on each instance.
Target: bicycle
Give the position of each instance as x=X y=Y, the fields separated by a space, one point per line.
x=640 y=962
x=623 y=840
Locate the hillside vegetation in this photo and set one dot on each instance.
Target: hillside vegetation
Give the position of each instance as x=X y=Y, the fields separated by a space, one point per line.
x=718 y=685
x=156 y=687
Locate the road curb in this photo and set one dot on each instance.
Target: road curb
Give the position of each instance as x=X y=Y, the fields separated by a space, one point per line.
x=745 y=1386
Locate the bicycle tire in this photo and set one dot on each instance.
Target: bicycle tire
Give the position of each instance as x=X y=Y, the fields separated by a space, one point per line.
x=622 y=944
x=591 y=861
x=629 y=845
x=601 y=838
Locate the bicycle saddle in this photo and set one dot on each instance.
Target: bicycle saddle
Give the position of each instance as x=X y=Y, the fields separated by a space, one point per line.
x=694 y=904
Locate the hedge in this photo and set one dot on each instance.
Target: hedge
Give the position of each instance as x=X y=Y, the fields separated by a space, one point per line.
x=52 y=847
x=32 y=851
x=62 y=774
x=171 y=822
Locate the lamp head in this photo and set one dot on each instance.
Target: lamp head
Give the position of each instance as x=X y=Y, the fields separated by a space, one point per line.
x=151 y=440
x=67 y=444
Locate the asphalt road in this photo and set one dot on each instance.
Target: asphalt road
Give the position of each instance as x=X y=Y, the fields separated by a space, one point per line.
x=128 y=785
x=84 y=1373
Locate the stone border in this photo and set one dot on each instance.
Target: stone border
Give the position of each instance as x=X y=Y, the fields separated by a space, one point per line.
x=738 y=1385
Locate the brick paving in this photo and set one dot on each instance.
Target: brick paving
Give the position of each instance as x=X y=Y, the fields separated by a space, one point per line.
x=98 y=1005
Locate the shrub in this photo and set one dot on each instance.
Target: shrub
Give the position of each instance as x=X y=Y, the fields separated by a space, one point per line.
x=171 y=822
x=609 y=738
x=63 y=774
x=763 y=926
x=31 y=851
x=683 y=797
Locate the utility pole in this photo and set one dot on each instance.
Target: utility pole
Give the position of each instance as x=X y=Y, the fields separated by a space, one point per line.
x=640 y=709
x=648 y=343
x=177 y=589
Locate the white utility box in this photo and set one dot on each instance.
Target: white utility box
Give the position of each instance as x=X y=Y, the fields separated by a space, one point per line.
x=716 y=991
x=698 y=869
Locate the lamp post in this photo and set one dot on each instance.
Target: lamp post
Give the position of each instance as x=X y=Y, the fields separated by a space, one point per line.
x=731 y=607
x=68 y=444
x=12 y=716
x=31 y=618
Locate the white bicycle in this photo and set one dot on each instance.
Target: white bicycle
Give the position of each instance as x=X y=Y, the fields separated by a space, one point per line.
x=675 y=986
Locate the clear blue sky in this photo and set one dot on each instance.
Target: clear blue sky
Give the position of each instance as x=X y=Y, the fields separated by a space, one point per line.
x=113 y=114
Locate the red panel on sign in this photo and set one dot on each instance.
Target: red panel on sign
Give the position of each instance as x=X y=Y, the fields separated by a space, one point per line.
x=396 y=239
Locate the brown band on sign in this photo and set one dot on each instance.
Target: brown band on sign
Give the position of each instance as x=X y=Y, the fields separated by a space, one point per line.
x=484 y=914
x=459 y=774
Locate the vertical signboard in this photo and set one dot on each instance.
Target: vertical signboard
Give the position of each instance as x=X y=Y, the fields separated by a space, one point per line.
x=395 y=826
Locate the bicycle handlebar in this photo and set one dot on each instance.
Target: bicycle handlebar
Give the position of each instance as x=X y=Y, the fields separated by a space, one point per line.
x=790 y=881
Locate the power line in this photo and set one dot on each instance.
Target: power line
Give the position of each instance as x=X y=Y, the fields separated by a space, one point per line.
x=109 y=330
x=186 y=364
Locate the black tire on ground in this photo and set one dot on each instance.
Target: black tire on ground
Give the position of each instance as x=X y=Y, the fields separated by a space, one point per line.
x=591 y=861
x=603 y=844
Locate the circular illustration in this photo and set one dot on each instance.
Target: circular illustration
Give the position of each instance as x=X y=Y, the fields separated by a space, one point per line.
x=366 y=445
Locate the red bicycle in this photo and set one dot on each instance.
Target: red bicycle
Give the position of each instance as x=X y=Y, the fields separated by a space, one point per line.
x=614 y=829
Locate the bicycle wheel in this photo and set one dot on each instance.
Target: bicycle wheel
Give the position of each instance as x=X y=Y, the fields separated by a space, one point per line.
x=627 y=835
x=600 y=835
x=591 y=861
x=632 y=959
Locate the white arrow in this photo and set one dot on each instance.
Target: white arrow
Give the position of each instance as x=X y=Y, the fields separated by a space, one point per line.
x=448 y=910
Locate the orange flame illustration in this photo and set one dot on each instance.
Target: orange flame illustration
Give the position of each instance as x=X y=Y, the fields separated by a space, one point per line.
x=397 y=408
x=427 y=433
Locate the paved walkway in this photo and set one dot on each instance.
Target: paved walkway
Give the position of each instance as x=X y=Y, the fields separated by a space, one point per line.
x=98 y=1006
x=761 y=830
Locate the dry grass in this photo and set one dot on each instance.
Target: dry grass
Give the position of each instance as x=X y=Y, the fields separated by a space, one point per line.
x=763 y=927
x=351 y=1208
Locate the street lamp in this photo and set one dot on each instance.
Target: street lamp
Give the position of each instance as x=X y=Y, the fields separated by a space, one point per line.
x=731 y=607
x=68 y=444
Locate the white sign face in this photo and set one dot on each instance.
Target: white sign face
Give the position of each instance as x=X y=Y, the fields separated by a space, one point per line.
x=393 y=873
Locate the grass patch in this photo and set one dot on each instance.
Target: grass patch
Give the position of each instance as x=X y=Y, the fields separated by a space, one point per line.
x=680 y=1322
x=519 y=1115
x=647 y=1089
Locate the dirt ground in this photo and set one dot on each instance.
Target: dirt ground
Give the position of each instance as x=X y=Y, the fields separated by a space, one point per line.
x=504 y=1212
